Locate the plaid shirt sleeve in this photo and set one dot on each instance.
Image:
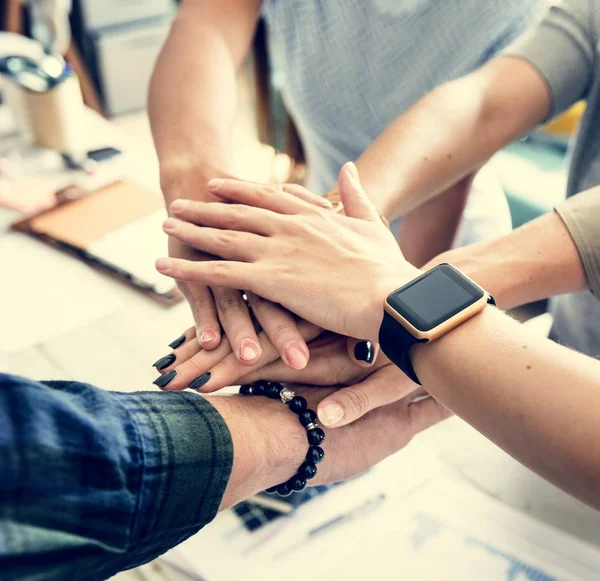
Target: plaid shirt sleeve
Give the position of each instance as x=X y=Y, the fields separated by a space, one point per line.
x=94 y=482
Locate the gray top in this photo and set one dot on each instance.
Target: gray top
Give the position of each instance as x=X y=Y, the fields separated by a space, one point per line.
x=564 y=48
x=581 y=215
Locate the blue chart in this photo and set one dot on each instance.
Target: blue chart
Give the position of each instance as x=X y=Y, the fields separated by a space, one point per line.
x=437 y=539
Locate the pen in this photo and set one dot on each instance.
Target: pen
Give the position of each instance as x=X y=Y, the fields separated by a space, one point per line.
x=359 y=511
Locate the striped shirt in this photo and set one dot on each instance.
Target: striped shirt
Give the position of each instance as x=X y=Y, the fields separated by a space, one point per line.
x=350 y=67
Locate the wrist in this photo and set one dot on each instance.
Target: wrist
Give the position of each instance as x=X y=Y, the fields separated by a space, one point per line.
x=480 y=263
x=383 y=288
x=268 y=444
x=184 y=178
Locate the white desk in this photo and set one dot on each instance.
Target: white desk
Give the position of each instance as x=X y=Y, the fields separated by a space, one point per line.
x=115 y=347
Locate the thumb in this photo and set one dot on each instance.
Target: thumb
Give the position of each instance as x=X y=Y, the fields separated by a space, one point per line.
x=355 y=200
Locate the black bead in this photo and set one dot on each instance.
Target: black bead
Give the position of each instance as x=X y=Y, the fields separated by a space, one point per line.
x=307 y=417
x=259 y=387
x=272 y=490
x=284 y=489
x=273 y=390
x=307 y=470
x=297 y=483
x=246 y=390
x=315 y=454
x=315 y=436
x=298 y=404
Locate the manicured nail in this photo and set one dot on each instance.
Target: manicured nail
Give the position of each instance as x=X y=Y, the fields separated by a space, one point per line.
x=207 y=336
x=200 y=381
x=178 y=342
x=170 y=224
x=364 y=351
x=248 y=350
x=296 y=357
x=331 y=414
x=215 y=184
x=165 y=379
x=163 y=264
x=164 y=361
x=178 y=205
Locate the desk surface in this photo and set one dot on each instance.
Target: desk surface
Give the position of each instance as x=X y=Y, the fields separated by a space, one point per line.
x=115 y=347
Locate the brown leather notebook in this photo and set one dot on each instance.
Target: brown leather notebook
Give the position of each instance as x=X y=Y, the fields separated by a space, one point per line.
x=117 y=228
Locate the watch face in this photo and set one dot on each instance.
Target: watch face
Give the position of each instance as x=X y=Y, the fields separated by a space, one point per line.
x=434 y=297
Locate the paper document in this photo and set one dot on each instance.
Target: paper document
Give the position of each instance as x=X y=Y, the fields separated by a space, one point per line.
x=410 y=519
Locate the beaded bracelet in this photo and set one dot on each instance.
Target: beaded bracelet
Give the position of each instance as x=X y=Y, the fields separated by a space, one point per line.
x=308 y=419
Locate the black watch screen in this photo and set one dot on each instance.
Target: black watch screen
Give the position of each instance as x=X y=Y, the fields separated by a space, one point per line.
x=434 y=297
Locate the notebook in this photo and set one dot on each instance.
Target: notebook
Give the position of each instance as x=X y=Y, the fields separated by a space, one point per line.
x=117 y=229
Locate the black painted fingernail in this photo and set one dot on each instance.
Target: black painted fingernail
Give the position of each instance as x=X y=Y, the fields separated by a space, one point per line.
x=200 y=381
x=164 y=361
x=165 y=379
x=364 y=351
x=178 y=342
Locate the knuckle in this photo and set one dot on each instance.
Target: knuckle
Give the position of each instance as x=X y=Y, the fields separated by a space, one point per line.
x=266 y=190
x=257 y=302
x=221 y=271
x=229 y=302
x=226 y=238
x=358 y=401
x=282 y=332
x=236 y=215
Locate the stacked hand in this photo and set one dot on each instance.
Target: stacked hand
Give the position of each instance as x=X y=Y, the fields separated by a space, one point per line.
x=334 y=271
x=220 y=309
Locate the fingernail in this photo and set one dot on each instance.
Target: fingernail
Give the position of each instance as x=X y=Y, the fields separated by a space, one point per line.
x=296 y=357
x=325 y=203
x=163 y=265
x=178 y=342
x=207 y=336
x=170 y=224
x=248 y=351
x=331 y=414
x=164 y=361
x=352 y=170
x=364 y=351
x=165 y=379
x=178 y=205
x=215 y=184
x=200 y=381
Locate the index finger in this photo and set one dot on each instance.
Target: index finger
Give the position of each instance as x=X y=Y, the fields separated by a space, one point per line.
x=260 y=196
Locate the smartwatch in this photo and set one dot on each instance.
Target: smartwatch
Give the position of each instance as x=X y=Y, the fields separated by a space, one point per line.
x=425 y=309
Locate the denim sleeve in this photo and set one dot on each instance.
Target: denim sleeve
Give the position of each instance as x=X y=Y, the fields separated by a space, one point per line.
x=94 y=482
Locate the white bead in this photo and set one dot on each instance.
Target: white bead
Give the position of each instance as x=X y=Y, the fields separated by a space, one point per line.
x=287 y=395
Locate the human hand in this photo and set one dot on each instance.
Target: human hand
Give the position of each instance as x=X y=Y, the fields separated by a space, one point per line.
x=278 y=444
x=217 y=307
x=334 y=360
x=385 y=386
x=334 y=271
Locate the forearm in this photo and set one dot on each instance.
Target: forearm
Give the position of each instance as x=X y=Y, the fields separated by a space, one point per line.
x=156 y=468
x=192 y=103
x=268 y=442
x=534 y=262
x=451 y=132
x=535 y=399
x=431 y=229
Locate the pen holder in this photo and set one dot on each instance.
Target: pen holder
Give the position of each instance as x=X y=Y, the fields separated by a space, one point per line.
x=57 y=117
